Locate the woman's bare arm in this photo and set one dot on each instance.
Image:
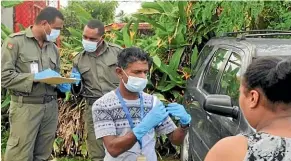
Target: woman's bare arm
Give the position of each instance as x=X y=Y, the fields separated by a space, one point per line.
x=232 y=148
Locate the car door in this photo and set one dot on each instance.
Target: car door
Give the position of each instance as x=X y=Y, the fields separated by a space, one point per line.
x=203 y=133
x=228 y=84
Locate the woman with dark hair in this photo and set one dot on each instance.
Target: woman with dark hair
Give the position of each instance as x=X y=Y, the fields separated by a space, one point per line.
x=265 y=100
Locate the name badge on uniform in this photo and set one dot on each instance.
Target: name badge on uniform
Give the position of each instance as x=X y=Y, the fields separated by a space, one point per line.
x=141 y=158
x=34 y=67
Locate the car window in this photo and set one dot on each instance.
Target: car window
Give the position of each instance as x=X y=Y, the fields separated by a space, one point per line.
x=201 y=58
x=216 y=66
x=230 y=80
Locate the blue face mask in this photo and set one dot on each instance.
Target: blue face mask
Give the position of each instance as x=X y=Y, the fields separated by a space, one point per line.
x=90 y=46
x=53 y=35
x=135 y=84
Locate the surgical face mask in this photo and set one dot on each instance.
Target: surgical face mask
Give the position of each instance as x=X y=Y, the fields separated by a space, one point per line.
x=135 y=84
x=89 y=46
x=53 y=35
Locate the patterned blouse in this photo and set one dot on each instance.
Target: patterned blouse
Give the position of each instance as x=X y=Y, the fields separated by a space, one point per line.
x=266 y=147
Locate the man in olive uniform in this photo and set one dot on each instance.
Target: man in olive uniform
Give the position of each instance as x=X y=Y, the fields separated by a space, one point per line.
x=96 y=68
x=26 y=57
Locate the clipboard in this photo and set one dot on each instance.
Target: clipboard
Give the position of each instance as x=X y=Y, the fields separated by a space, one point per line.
x=57 y=80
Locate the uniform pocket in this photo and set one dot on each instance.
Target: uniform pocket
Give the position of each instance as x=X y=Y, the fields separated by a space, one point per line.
x=13 y=110
x=111 y=69
x=86 y=75
x=25 y=62
x=53 y=61
x=84 y=70
x=12 y=141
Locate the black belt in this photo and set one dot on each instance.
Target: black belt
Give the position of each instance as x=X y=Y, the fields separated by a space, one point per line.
x=91 y=101
x=33 y=100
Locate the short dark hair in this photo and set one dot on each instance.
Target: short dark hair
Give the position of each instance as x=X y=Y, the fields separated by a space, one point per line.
x=96 y=24
x=49 y=14
x=132 y=54
x=273 y=76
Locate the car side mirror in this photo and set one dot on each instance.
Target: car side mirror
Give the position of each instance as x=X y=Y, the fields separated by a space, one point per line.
x=221 y=105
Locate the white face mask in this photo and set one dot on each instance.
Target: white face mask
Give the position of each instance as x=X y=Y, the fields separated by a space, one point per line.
x=135 y=84
x=91 y=46
x=53 y=35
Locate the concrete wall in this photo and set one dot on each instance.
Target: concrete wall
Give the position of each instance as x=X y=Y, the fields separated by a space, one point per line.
x=7 y=17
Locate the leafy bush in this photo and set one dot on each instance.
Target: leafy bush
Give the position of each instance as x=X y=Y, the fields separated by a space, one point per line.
x=180 y=30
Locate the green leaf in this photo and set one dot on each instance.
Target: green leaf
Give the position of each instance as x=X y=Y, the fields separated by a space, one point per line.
x=157 y=61
x=76 y=139
x=3 y=35
x=167 y=6
x=5 y=29
x=67 y=45
x=6 y=102
x=194 y=57
x=75 y=33
x=182 y=12
x=68 y=96
x=175 y=60
x=152 y=5
x=83 y=15
x=150 y=21
x=126 y=37
x=84 y=149
x=148 y=11
x=177 y=96
x=167 y=87
x=82 y=12
x=8 y=4
x=135 y=26
x=174 y=76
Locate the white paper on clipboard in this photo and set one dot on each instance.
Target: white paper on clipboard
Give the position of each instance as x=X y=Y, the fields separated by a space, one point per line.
x=57 y=80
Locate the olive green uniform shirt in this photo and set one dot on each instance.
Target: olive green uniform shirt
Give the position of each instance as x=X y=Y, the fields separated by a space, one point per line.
x=98 y=71
x=18 y=52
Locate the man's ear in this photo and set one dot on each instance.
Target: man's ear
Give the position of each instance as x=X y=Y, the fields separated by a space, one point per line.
x=254 y=98
x=119 y=72
x=43 y=22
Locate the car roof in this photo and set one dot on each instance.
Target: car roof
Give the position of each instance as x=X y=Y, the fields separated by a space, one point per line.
x=261 y=46
x=271 y=47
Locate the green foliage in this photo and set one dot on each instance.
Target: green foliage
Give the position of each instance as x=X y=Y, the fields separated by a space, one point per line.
x=5 y=32
x=8 y=4
x=77 y=13
x=4 y=139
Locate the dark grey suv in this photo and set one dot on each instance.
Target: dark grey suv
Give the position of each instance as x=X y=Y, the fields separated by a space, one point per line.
x=212 y=91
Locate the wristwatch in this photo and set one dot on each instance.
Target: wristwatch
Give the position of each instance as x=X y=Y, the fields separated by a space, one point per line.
x=185 y=127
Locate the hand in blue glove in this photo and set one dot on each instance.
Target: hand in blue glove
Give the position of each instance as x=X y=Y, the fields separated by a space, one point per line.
x=76 y=74
x=151 y=120
x=45 y=74
x=64 y=87
x=179 y=111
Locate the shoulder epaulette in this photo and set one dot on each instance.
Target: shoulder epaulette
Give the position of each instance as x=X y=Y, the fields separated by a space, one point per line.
x=115 y=45
x=17 y=34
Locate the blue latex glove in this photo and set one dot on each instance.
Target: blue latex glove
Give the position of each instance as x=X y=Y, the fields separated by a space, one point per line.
x=45 y=74
x=76 y=74
x=179 y=111
x=151 y=120
x=64 y=87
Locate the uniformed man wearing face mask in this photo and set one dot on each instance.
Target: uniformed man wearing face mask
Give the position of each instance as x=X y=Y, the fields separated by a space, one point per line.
x=95 y=66
x=27 y=56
